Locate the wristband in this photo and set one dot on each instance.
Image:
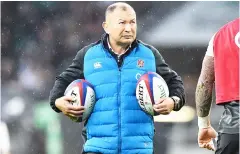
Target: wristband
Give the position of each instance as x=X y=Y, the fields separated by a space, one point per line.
x=203 y=122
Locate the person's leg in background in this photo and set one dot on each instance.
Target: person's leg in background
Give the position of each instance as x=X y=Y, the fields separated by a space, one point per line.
x=227 y=144
x=228 y=133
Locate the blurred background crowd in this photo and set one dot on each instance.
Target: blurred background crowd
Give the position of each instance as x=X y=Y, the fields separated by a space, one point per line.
x=40 y=39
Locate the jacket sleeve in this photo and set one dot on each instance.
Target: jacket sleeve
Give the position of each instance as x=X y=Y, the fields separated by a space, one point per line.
x=172 y=79
x=73 y=72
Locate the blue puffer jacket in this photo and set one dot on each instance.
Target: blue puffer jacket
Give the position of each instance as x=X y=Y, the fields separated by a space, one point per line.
x=117 y=124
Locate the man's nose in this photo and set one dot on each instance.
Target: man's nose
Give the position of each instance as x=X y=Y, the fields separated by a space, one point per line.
x=128 y=27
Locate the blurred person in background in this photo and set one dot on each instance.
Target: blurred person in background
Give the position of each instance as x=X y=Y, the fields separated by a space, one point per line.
x=4 y=138
x=111 y=66
x=220 y=65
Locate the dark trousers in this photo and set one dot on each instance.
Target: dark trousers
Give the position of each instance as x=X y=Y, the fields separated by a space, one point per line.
x=227 y=144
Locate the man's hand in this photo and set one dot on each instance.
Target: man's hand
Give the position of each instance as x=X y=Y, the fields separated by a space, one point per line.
x=164 y=106
x=205 y=136
x=63 y=104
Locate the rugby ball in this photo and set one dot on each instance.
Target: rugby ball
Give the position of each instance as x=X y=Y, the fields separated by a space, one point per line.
x=84 y=95
x=150 y=88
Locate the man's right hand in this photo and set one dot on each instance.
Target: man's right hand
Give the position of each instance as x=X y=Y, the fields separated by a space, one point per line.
x=67 y=108
x=205 y=137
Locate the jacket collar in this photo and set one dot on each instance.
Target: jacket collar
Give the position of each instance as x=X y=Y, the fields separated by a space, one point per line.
x=104 y=41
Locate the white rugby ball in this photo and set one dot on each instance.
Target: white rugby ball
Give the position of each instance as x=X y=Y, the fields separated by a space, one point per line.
x=84 y=95
x=150 y=88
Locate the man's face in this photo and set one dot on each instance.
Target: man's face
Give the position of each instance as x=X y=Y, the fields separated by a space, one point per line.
x=122 y=26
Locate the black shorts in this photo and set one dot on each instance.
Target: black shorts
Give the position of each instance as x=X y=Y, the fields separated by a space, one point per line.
x=227 y=144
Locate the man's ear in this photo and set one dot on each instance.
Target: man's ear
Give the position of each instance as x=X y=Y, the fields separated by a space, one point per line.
x=105 y=27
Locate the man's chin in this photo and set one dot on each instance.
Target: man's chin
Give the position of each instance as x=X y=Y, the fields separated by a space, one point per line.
x=127 y=41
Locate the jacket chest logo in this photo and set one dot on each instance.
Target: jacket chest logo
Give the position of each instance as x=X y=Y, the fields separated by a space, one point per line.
x=97 y=65
x=140 y=63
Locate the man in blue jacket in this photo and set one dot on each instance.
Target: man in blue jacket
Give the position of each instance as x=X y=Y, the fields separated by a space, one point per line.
x=117 y=124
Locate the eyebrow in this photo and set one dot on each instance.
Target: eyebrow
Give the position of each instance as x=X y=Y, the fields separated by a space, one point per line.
x=124 y=20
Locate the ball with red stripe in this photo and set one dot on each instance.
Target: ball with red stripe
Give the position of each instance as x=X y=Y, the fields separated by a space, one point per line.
x=150 y=88
x=84 y=95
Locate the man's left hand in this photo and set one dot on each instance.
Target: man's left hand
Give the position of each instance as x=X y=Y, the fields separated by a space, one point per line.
x=164 y=106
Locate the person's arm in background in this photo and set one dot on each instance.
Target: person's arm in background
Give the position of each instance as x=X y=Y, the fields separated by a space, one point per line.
x=58 y=101
x=176 y=98
x=203 y=100
x=4 y=139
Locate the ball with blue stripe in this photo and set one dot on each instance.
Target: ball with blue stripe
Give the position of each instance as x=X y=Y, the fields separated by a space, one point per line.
x=84 y=95
x=150 y=88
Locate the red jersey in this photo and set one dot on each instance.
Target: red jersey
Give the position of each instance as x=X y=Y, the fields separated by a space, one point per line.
x=226 y=44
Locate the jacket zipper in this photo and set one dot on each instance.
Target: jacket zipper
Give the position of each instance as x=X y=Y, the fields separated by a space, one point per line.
x=119 y=104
